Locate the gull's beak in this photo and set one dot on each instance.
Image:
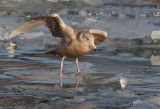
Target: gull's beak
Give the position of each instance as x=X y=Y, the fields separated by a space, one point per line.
x=94 y=46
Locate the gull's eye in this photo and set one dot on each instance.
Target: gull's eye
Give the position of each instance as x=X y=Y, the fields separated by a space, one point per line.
x=87 y=38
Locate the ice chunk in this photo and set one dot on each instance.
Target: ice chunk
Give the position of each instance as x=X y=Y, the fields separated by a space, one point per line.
x=64 y=11
x=142 y=15
x=4 y=35
x=84 y=66
x=122 y=16
x=66 y=0
x=52 y=0
x=32 y=35
x=75 y=23
x=126 y=94
x=79 y=90
x=155 y=60
x=155 y=34
x=57 y=87
x=94 y=2
x=143 y=104
x=83 y=13
x=79 y=99
x=89 y=22
x=50 y=43
x=138 y=102
x=55 y=98
x=155 y=100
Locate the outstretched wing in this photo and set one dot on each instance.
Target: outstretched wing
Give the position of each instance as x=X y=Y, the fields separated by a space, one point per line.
x=52 y=21
x=99 y=35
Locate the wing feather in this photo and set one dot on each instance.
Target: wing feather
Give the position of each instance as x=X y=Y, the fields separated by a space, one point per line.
x=99 y=35
x=52 y=21
x=25 y=26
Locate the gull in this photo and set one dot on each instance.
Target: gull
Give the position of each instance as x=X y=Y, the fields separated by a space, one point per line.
x=74 y=42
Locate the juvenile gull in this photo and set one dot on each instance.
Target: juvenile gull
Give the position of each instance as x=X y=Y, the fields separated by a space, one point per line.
x=74 y=42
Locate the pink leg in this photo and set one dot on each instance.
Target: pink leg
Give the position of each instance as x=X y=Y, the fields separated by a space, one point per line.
x=77 y=83
x=78 y=71
x=61 y=71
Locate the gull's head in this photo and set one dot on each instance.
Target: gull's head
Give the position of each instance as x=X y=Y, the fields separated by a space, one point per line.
x=87 y=39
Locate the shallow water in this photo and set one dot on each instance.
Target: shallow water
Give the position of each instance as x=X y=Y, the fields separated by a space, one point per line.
x=123 y=73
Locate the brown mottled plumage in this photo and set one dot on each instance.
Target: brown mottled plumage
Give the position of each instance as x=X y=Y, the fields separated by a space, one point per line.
x=74 y=42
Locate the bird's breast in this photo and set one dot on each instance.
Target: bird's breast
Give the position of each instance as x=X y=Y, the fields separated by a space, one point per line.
x=73 y=50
